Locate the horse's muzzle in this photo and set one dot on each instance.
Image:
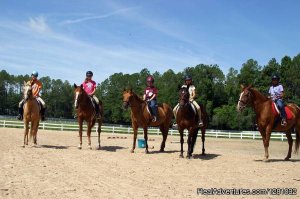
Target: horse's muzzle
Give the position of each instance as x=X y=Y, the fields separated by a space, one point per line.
x=125 y=105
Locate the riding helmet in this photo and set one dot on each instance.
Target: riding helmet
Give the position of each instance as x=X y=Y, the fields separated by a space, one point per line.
x=187 y=77
x=35 y=74
x=89 y=73
x=275 y=77
x=150 y=79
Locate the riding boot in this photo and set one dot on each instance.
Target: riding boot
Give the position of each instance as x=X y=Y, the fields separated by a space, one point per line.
x=97 y=109
x=20 y=116
x=43 y=113
x=283 y=122
x=200 y=119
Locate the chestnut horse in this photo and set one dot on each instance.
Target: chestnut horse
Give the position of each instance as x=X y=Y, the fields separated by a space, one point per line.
x=186 y=118
x=86 y=112
x=266 y=120
x=31 y=113
x=140 y=117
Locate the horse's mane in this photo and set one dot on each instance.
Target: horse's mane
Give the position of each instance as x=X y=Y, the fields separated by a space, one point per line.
x=137 y=97
x=258 y=95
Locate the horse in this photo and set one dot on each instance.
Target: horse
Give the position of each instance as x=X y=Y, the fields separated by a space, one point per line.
x=266 y=120
x=187 y=118
x=86 y=112
x=140 y=117
x=31 y=114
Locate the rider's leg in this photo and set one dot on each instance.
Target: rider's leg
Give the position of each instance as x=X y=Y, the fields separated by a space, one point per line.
x=175 y=110
x=43 y=107
x=96 y=100
x=154 y=109
x=20 y=109
x=199 y=112
x=280 y=106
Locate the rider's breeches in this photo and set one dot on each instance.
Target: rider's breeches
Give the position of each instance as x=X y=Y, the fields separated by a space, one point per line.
x=96 y=99
x=41 y=101
x=280 y=106
x=175 y=110
x=198 y=108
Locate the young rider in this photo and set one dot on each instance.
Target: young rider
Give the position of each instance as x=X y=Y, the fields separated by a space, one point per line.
x=89 y=86
x=36 y=88
x=150 y=95
x=188 y=83
x=276 y=94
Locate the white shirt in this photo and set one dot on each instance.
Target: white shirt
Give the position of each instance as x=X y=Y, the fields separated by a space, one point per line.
x=276 y=91
x=192 y=88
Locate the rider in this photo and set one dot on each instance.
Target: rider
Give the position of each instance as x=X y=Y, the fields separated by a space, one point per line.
x=276 y=93
x=150 y=95
x=36 y=88
x=89 y=86
x=188 y=83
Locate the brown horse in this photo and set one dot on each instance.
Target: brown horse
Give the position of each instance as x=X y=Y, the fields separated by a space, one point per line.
x=86 y=112
x=266 y=120
x=140 y=117
x=186 y=118
x=31 y=114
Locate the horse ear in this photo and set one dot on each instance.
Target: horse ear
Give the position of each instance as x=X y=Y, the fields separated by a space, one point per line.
x=75 y=86
x=178 y=87
x=242 y=87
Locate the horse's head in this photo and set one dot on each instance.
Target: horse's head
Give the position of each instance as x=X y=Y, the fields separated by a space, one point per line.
x=78 y=92
x=245 y=97
x=27 y=90
x=127 y=97
x=184 y=96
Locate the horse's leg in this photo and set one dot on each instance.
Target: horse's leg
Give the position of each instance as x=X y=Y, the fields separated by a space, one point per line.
x=181 y=142
x=203 y=140
x=164 y=131
x=290 y=141
x=80 y=121
x=135 y=131
x=194 y=139
x=89 y=130
x=189 y=141
x=146 y=139
x=267 y=141
x=99 y=131
x=26 y=130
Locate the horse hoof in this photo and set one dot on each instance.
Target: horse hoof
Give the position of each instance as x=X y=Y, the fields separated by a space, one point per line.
x=23 y=146
x=146 y=152
x=286 y=159
x=181 y=156
x=204 y=154
x=161 y=150
x=132 y=151
x=79 y=147
x=266 y=160
x=188 y=157
x=90 y=147
x=99 y=148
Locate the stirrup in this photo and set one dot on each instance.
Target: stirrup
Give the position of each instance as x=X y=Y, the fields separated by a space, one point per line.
x=200 y=124
x=20 y=117
x=154 y=119
x=283 y=122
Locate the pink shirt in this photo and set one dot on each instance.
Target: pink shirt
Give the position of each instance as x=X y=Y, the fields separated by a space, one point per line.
x=150 y=91
x=89 y=86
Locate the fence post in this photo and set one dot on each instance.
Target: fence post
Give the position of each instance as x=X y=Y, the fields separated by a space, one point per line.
x=128 y=130
x=229 y=135
x=43 y=125
x=4 y=123
x=113 y=129
x=242 y=135
x=281 y=137
x=171 y=132
x=254 y=135
x=62 y=127
x=216 y=134
x=157 y=131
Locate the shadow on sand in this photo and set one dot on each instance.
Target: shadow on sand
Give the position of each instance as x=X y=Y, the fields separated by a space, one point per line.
x=111 y=148
x=208 y=156
x=278 y=160
x=53 y=147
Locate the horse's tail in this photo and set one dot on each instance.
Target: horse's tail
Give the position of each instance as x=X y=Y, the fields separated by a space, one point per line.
x=297 y=130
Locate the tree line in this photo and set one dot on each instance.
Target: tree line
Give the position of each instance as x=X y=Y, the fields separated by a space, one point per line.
x=218 y=92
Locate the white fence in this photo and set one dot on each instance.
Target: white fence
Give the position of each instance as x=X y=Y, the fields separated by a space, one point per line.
x=128 y=130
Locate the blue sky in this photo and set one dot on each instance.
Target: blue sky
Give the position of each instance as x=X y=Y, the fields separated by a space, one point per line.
x=65 y=38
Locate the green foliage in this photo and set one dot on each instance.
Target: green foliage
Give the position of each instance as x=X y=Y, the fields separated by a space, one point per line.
x=217 y=92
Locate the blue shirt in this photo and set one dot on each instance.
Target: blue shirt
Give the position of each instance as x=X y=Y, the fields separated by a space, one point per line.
x=276 y=92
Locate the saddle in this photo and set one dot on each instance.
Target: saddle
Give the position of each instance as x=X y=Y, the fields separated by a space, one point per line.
x=149 y=110
x=193 y=107
x=276 y=111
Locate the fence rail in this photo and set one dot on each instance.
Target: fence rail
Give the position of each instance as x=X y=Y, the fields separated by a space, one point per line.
x=128 y=130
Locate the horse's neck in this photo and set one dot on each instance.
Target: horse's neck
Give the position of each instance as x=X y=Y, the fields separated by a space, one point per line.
x=85 y=101
x=259 y=100
x=185 y=110
x=137 y=106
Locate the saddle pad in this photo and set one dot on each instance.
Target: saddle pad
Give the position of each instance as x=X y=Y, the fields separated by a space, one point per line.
x=275 y=111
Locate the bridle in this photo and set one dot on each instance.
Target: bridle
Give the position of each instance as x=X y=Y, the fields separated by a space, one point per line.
x=184 y=97
x=245 y=103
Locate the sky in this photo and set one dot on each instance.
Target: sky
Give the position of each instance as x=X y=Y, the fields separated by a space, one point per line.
x=65 y=38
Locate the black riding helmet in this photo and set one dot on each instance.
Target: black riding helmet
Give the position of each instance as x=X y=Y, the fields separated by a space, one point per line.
x=188 y=77
x=275 y=77
x=89 y=73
